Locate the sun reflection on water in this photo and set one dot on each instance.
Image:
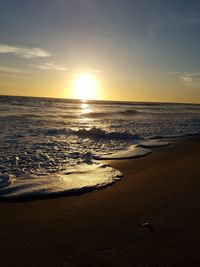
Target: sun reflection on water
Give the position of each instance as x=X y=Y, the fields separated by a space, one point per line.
x=85 y=120
x=85 y=108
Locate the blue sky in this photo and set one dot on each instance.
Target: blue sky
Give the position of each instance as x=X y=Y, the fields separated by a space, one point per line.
x=141 y=50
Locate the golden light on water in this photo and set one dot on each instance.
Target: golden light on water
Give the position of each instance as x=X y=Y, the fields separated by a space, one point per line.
x=85 y=87
x=85 y=108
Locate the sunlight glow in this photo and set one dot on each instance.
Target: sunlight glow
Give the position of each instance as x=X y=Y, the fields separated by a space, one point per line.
x=85 y=108
x=85 y=87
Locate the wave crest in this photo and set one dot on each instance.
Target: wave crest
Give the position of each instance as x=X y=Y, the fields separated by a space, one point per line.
x=94 y=133
x=99 y=133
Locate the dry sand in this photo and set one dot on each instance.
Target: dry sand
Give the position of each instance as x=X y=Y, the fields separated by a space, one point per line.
x=104 y=228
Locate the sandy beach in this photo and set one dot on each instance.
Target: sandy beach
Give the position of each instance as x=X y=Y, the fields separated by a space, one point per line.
x=105 y=227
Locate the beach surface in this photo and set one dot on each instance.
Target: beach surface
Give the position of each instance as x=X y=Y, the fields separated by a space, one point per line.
x=149 y=218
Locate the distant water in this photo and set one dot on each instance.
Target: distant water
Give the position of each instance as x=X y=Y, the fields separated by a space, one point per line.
x=54 y=146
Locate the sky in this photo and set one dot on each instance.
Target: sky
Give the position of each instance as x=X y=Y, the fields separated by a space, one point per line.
x=137 y=50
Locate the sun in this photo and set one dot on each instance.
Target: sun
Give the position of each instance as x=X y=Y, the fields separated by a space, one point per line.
x=85 y=87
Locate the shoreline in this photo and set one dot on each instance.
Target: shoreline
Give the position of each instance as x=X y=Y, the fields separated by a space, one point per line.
x=110 y=161
x=105 y=227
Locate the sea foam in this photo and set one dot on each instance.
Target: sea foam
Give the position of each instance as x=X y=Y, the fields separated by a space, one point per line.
x=133 y=151
x=153 y=143
x=84 y=177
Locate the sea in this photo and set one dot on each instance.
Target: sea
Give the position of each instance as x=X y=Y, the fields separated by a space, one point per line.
x=51 y=147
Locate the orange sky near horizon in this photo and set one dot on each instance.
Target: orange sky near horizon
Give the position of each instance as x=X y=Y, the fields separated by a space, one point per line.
x=106 y=89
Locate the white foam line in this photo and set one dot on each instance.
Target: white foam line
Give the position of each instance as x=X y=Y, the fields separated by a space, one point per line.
x=133 y=151
x=82 y=178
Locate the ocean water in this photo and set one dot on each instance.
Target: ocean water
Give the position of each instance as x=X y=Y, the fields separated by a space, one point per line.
x=58 y=146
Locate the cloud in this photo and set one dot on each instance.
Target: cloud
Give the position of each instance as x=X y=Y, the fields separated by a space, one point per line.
x=51 y=65
x=191 y=79
x=24 y=52
x=172 y=73
x=97 y=71
x=10 y=72
x=86 y=70
x=7 y=70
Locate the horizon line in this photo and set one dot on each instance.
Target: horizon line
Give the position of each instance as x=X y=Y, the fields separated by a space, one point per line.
x=102 y=100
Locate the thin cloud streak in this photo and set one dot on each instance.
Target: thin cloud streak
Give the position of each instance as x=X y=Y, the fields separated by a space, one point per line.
x=191 y=79
x=24 y=52
x=8 y=70
x=98 y=71
x=188 y=79
x=49 y=66
x=11 y=72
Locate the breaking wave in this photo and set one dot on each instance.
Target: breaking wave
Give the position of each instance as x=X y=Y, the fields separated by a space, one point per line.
x=113 y=113
x=94 y=133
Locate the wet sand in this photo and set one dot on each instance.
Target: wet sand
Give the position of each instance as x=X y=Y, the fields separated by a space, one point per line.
x=105 y=227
